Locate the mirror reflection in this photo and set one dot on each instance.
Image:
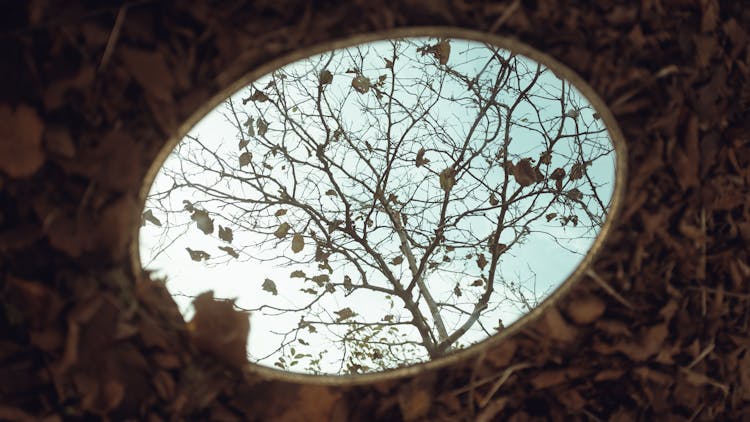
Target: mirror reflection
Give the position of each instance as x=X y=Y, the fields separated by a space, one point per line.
x=383 y=205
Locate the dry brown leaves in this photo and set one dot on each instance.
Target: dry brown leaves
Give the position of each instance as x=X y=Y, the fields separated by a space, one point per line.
x=660 y=332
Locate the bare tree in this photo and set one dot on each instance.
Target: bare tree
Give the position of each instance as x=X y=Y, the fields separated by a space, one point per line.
x=389 y=181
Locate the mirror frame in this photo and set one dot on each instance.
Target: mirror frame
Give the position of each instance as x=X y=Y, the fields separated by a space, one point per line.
x=508 y=43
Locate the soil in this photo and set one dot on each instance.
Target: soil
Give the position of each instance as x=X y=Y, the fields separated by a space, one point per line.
x=90 y=92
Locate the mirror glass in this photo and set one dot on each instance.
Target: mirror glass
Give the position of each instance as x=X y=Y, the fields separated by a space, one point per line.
x=382 y=205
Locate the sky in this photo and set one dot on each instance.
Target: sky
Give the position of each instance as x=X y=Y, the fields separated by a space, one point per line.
x=243 y=278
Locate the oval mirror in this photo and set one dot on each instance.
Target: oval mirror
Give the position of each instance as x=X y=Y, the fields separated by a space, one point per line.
x=385 y=204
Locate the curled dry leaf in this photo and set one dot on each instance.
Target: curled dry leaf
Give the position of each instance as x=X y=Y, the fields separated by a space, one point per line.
x=524 y=172
x=493 y=199
x=298 y=274
x=258 y=96
x=326 y=77
x=574 y=194
x=420 y=160
x=557 y=174
x=280 y=212
x=331 y=192
x=21 y=130
x=397 y=260
x=447 y=179
x=361 y=84
x=576 y=171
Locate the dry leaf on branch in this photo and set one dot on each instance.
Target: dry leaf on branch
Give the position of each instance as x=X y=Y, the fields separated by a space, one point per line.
x=229 y=250
x=270 y=286
x=298 y=243
x=326 y=77
x=198 y=255
x=447 y=179
x=524 y=172
x=343 y=314
x=282 y=230
x=225 y=234
x=148 y=215
x=203 y=221
x=361 y=84
x=420 y=160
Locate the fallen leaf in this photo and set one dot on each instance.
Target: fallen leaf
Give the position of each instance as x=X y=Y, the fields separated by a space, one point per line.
x=21 y=153
x=585 y=310
x=150 y=70
x=217 y=328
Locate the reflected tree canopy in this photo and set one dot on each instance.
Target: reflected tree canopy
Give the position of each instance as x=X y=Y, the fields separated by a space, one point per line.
x=368 y=198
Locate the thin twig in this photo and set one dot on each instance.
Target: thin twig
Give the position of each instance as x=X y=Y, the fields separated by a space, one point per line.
x=702 y=355
x=499 y=383
x=594 y=276
x=505 y=16
x=113 y=37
